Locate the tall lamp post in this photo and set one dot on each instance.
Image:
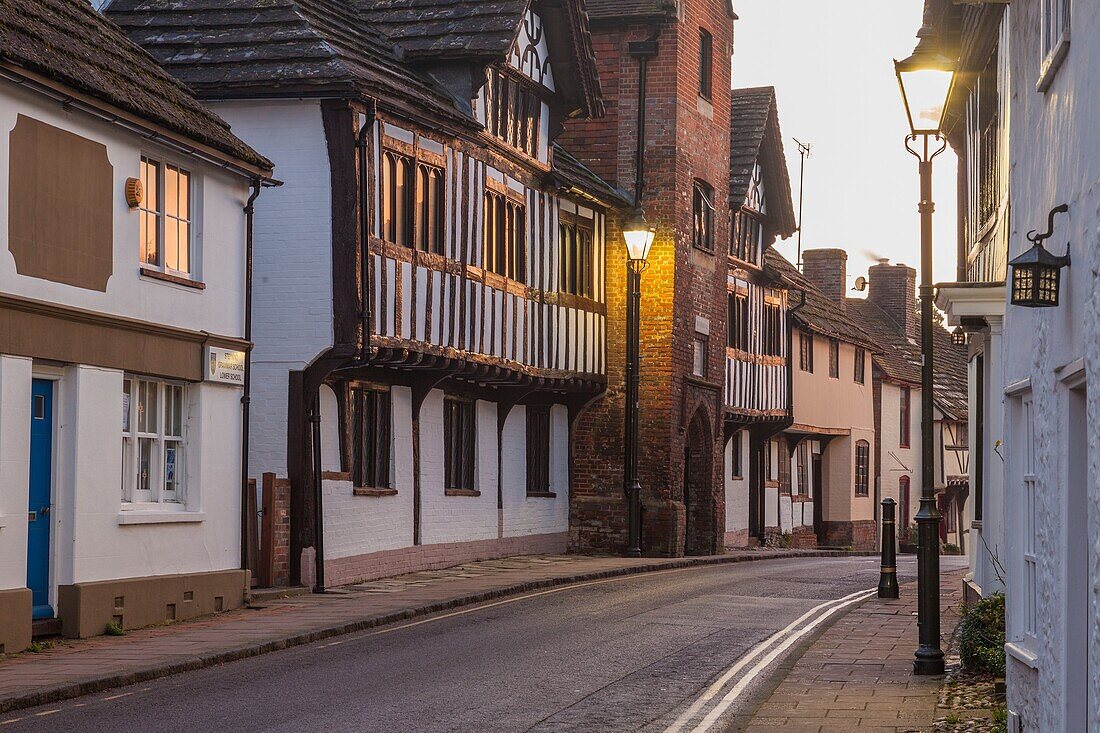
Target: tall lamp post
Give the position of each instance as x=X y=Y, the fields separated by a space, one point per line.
x=639 y=238
x=926 y=79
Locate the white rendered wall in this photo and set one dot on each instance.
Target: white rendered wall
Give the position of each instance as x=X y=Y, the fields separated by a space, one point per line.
x=292 y=271
x=528 y=515
x=15 y=421
x=1056 y=159
x=898 y=461
x=737 y=489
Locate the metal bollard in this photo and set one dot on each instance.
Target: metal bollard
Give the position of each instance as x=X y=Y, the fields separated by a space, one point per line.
x=888 y=574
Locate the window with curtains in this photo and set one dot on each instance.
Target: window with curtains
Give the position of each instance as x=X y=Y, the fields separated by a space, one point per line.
x=863 y=467
x=513 y=112
x=153 y=422
x=806 y=351
x=372 y=442
x=703 y=216
x=576 y=259
x=905 y=416
x=505 y=236
x=737 y=321
x=538 y=449
x=706 y=64
x=834 y=358
x=773 y=329
x=411 y=202
x=459 y=436
x=165 y=217
x=858 y=374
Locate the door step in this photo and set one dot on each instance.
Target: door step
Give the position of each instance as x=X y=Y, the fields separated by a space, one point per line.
x=264 y=595
x=46 y=627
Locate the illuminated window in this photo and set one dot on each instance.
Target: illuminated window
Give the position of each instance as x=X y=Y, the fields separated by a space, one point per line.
x=165 y=217
x=576 y=259
x=505 y=237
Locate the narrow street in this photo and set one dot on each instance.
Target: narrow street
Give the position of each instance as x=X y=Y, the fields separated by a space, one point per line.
x=629 y=654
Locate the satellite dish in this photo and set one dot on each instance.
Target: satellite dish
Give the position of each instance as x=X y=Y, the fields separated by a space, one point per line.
x=861 y=284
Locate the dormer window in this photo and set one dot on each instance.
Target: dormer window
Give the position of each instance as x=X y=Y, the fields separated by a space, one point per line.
x=747 y=237
x=513 y=112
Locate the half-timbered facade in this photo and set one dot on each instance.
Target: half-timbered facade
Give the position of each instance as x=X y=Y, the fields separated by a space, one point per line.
x=977 y=127
x=756 y=401
x=430 y=285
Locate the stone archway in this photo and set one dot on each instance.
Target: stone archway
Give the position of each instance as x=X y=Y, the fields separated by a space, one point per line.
x=701 y=532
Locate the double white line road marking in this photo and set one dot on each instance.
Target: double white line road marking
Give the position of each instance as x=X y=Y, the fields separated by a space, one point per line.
x=698 y=719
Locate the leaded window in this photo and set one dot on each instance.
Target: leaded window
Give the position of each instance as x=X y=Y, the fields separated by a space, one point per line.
x=737 y=321
x=372 y=437
x=459 y=435
x=505 y=236
x=538 y=449
x=513 y=112
x=576 y=259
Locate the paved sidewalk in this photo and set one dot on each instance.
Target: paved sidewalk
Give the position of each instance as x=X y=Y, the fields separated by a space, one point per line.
x=859 y=674
x=81 y=667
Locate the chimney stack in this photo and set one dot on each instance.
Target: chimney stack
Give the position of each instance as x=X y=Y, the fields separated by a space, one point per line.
x=828 y=270
x=894 y=289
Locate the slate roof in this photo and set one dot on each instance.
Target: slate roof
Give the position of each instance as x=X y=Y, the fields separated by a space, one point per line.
x=70 y=43
x=755 y=135
x=900 y=359
x=233 y=48
x=819 y=313
x=432 y=30
x=569 y=172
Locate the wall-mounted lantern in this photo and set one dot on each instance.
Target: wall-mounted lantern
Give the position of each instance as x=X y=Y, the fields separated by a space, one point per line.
x=958 y=336
x=1037 y=274
x=135 y=192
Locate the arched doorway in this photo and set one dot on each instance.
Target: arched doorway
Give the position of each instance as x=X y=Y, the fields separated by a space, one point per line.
x=701 y=532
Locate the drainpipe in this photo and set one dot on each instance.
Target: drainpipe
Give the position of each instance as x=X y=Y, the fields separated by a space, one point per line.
x=249 y=215
x=318 y=503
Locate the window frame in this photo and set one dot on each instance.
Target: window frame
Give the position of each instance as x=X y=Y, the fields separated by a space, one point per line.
x=806 y=351
x=862 y=468
x=1054 y=39
x=459 y=451
x=706 y=64
x=834 y=358
x=859 y=367
x=737 y=320
x=905 y=417
x=380 y=472
x=702 y=216
x=802 y=467
x=518 y=121
x=504 y=248
x=160 y=439
x=576 y=256
x=539 y=438
x=736 y=458
x=156 y=196
x=412 y=223
x=700 y=349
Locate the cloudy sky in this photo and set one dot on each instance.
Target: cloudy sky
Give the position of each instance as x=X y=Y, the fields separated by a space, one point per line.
x=831 y=65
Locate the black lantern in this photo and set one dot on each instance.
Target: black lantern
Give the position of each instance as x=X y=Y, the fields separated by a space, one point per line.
x=1037 y=274
x=958 y=336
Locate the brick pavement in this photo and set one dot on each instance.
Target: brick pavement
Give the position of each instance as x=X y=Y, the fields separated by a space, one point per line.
x=74 y=668
x=858 y=675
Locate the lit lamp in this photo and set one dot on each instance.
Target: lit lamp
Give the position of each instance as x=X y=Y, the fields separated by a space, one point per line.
x=639 y=239
x=1037 y=274
x=926 y=79
x=958 y=336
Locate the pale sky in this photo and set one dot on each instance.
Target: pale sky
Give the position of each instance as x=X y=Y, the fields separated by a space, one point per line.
x=832 y=66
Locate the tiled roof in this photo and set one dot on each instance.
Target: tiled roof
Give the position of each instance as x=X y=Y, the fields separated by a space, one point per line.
x=278 y=47
x=570 y=172
x=755 y=135
x=447 y=27
x=70 y=43
x=428 y=31
x=900 y=358
x=818 y=313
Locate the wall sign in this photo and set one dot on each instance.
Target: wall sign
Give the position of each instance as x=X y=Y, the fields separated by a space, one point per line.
x=224 y=365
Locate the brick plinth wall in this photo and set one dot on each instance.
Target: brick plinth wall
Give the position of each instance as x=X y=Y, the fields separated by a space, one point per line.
x=687 y=138
x=280 y=566
x=859 y=535
x=803 y=538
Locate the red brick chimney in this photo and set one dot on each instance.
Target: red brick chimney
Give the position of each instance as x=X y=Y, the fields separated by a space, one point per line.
x=894 y=289
x=827 y=269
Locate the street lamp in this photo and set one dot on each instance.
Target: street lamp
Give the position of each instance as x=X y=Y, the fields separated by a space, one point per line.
x=639 y=239
x=926 y=79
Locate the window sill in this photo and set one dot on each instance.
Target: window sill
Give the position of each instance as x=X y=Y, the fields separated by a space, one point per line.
x=367 y=491
x=461 y=492
x=542 y=495
x=1050 y=65
x=1022 y=655
x=174 y=279
x=159 y=516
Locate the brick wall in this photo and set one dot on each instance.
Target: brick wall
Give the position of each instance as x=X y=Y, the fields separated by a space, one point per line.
x=894 y=289
x=828 y=270
x=687 y=139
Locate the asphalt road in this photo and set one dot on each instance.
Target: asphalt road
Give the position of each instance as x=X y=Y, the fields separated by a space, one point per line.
x=630 y=654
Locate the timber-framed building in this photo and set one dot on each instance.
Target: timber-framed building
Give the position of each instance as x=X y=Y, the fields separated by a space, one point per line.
x=430 y=312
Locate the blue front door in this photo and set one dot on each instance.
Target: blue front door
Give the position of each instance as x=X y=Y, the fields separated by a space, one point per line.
x=38 y=515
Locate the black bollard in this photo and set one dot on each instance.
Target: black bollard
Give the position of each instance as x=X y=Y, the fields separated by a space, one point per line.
x=888 y=574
